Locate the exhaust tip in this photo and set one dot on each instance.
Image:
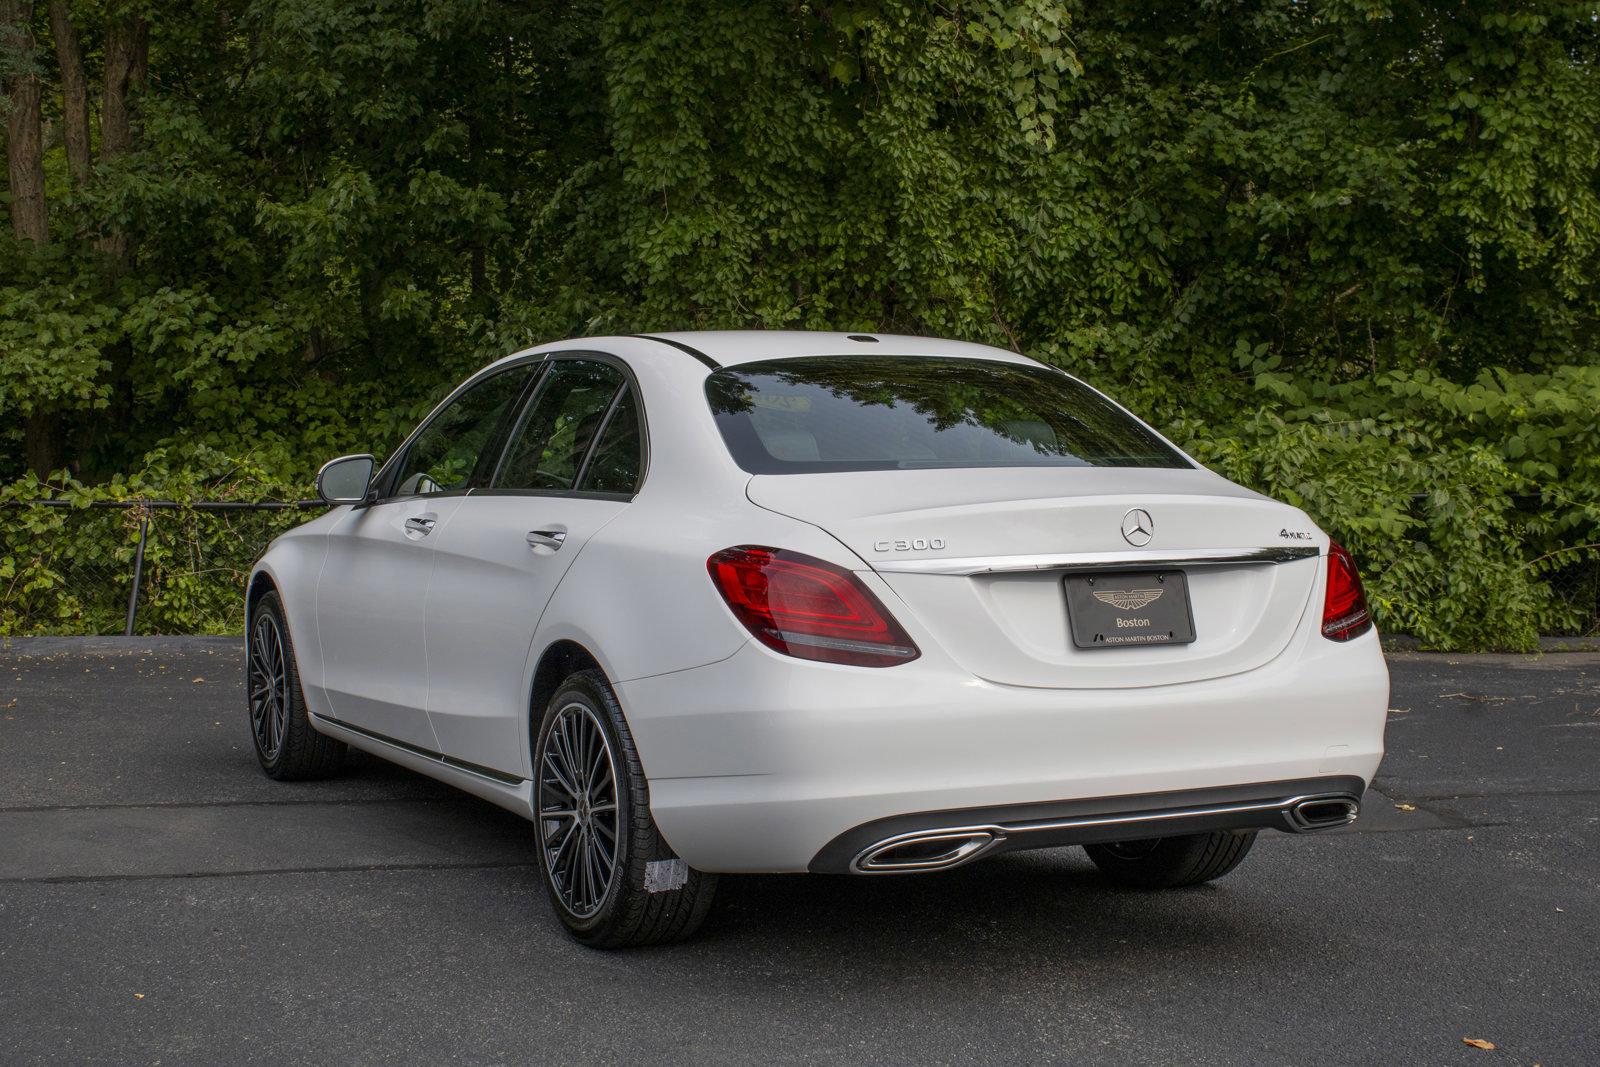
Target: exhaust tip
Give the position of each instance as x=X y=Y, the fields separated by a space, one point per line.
x=1323 y=813
x=931 y=851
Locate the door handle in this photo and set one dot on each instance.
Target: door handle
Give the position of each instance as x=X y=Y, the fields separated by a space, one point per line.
x=551 y=539
x=420 y=524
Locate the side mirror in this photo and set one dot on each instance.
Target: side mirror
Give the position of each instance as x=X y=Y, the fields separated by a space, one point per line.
x=346 y=480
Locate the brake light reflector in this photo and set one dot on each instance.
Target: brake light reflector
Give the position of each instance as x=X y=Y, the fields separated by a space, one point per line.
x=803 y=606
x=1344 y=608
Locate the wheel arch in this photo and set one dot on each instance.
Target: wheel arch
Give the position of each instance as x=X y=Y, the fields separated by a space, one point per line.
x=261 y=583
x=560 y=660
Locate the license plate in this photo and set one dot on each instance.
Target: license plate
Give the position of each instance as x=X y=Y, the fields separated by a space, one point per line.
x=1131 y=608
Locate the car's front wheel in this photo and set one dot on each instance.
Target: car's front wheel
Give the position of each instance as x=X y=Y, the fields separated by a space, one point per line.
x=1171 y=862
x=286 y=744
x=612 y=878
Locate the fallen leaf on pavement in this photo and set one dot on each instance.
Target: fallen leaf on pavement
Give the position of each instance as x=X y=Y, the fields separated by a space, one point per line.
x=197 y=681
x=1478 y=1042
x=1406 y=807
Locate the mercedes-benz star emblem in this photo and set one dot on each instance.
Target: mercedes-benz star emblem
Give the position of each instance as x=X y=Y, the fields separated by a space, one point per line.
x=1138 y=527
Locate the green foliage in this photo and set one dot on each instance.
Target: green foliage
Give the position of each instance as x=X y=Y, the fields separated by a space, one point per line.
x=1344 y=250
x=67 y=570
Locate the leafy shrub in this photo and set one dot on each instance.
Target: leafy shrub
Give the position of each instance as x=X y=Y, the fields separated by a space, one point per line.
x=1458 y=501
x=67 y=570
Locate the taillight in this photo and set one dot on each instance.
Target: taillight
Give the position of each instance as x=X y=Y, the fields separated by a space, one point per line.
x=807 y=607
x=1344 y=608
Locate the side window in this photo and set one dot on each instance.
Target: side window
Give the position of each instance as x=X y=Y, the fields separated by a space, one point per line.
x=456 y=449
x=560 y=424
x=615 y=465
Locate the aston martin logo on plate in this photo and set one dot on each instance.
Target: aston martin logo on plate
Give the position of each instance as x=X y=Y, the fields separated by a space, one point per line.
x=1128 y=599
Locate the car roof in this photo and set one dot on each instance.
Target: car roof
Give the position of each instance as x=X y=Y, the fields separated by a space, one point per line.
x=732 y=347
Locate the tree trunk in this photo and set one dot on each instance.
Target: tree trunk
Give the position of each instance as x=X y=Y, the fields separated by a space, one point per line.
x=41 y=443
x=24 y=140
x=74 y=91
x=25 y=165
x=127 y=52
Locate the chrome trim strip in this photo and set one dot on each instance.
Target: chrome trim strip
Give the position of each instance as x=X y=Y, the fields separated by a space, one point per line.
x=1096 y=561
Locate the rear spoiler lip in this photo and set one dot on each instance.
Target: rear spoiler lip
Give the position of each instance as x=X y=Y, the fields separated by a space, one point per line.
x=1098 y=561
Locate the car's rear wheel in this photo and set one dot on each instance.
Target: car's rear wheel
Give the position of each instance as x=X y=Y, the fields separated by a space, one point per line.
x=612 y=878
x=1172 y=862
x=287 y=746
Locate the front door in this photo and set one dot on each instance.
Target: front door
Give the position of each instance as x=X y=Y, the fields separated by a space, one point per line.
x=369 y=611
x=572 y=464
x=373 y=588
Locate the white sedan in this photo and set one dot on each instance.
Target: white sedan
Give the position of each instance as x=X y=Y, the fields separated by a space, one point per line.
x=700 y=603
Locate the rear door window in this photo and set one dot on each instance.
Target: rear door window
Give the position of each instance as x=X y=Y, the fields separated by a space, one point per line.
x=547 y=449
x=856 y=413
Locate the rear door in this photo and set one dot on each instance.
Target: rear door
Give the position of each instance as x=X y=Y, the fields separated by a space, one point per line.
x=573 y=462
x=374 y=580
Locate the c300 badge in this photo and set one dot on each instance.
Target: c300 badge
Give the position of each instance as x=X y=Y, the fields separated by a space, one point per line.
x=910 y=544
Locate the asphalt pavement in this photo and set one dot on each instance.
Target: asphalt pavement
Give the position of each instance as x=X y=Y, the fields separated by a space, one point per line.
x=161 y=901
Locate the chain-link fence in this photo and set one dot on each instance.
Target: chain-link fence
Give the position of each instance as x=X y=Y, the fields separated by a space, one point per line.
x=160 y=567
x=133 y=567
x=1578 y=586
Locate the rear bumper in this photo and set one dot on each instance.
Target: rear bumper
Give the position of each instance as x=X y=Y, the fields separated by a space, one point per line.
x=763 y=763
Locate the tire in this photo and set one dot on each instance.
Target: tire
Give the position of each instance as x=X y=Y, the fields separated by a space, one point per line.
x=286 y=744
x=590 y=792
x=1172 y=862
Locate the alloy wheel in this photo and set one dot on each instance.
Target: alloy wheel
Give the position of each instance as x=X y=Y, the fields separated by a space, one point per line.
x=577 y=802
x=269 y=686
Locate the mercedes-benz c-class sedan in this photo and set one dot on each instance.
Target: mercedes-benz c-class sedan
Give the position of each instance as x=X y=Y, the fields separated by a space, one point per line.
x=704 y=603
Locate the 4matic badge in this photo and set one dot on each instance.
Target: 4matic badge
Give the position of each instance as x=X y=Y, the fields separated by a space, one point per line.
x=1296 y=535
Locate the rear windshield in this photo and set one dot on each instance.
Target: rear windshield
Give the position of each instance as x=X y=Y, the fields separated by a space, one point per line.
x=855 y=413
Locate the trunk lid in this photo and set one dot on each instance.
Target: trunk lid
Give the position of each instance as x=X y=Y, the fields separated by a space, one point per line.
x=979 y=558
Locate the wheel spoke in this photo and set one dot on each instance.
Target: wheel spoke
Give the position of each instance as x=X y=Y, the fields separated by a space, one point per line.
x=560 y=858
x=603 y=853
x=560 y=776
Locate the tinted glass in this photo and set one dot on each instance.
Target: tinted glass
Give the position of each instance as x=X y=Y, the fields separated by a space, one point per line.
x=457 y=449
x=616 y=463
x=548 y=447
x=855 y=413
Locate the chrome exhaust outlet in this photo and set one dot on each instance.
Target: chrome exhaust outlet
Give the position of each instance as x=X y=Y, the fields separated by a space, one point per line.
x=1310 y=814
x=927 y=850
